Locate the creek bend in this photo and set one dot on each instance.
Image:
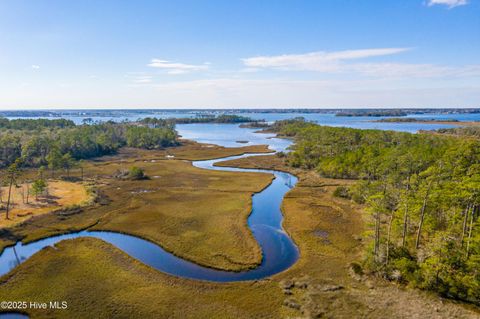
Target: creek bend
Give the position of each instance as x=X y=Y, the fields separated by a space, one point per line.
x=265 y=221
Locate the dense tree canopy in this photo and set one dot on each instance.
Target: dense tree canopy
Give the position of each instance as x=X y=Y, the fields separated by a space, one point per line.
x=150 y=138
x=423 y=191
x=47 y=142
x=34 y=124
x=223 y=119
x=372 y=113
x=473 y=131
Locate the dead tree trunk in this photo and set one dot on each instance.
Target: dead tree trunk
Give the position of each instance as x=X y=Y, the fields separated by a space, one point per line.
x=405 y=225
x=470 y=230
x=390 y=222
x=464 y=226
x=405 y=216
x=9 y=196
x=377 y=234
x=422 y=217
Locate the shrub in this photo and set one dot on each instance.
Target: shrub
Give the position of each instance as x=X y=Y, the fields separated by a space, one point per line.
x=342 y=191
x=136 y=173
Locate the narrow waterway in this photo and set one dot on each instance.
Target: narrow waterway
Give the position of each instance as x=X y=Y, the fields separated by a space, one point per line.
x=265 y=221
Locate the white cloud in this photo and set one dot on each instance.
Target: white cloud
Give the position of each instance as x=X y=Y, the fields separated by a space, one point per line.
x=142 y=79
x=448 y=3
x=138 y=78
x=177 y=68
x=237 y=93
x=178 y=71
x=343 y=62
x=35 y=67
x=230 y=92
x=316 y=61
x=406 y=70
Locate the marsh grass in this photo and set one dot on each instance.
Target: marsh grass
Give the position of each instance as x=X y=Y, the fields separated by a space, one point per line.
x=197 y=214
x=100 y=281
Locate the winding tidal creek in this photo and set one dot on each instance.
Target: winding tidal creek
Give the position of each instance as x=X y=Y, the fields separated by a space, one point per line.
x=265 y=221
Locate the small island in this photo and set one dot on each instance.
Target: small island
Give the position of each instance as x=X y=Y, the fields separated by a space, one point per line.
x=427 y=121
x=204 y=119
x=415 y=120
x=255 y=124
x=371 y=113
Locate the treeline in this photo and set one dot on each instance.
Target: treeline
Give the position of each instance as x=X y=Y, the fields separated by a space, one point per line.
x=154 y=122
x=372 y=113
x=221 y=119
x=423 y=191
x=34 y=124
x=45 y=145
x=413 y=120
x=467 y=131
x=353 y=153
x=150 y=138
x=170 y=122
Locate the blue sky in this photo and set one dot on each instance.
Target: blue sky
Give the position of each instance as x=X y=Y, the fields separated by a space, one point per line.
x=230 y=54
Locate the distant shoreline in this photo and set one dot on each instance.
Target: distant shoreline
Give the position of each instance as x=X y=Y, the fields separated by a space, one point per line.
x=428 y=121
x=342 y=112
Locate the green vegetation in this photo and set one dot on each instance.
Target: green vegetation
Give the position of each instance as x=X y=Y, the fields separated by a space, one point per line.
x=224 y=118
x=195 y=213
x=68 y=162
x=190 y=151
x=150 y=138
x=56 y=143
x=100 y=281
x=256 y=124
x=154 y=122
x=34 y=124
x=342 y=191
x=136 y=173
x=318 y=285
x=38 y=187
x=48 y=198
x=415 y=120
x=170 y=122
x=59 y=144
x=423 y=191
x=172 y=208
x=12 y=174
x=326 y=281
x=372 y=113
x=461 y=131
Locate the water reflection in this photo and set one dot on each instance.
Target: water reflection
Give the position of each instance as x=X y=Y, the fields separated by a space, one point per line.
x=265 y=221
